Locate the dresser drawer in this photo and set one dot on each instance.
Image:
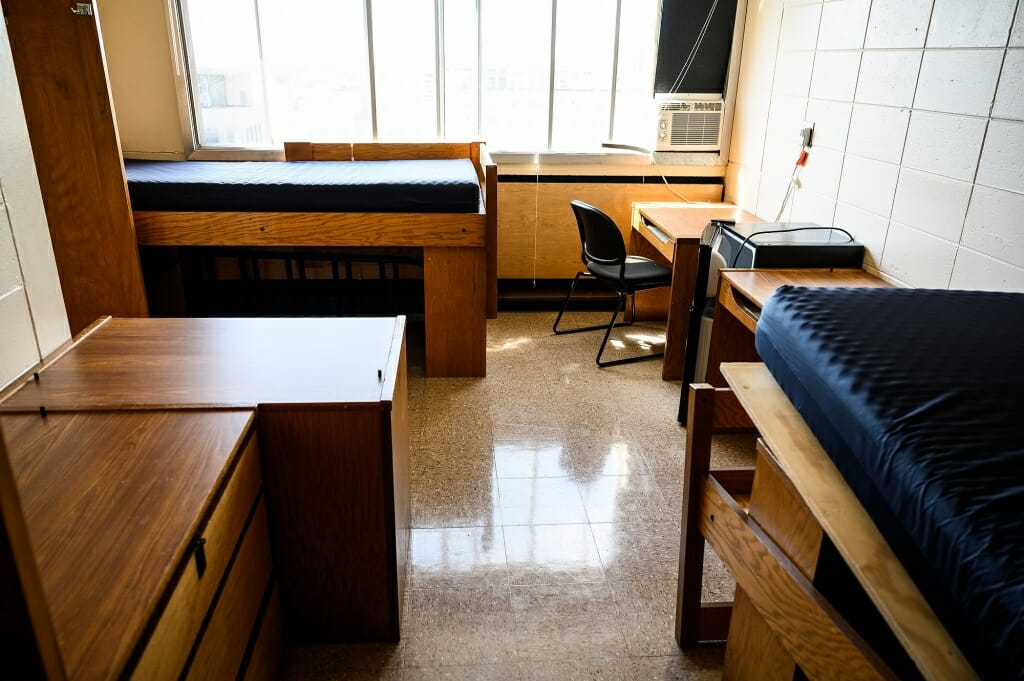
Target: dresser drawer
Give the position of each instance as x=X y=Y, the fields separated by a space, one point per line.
x=265 y=658
x=175 y=632
x=220 y=652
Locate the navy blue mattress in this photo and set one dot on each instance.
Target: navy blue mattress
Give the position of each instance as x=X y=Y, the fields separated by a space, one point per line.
x=918 y=398
x=419 y=186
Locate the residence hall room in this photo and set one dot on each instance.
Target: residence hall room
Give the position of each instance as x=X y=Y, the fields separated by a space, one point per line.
x=368 y=497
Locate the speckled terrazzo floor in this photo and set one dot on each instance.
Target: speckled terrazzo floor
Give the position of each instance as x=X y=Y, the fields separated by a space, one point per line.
x=545 y=506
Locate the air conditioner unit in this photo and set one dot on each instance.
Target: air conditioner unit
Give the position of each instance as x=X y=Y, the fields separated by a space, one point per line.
x=689 y=124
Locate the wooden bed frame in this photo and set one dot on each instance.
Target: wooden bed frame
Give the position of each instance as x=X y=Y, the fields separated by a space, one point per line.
x=460 y=257
x=768 y=524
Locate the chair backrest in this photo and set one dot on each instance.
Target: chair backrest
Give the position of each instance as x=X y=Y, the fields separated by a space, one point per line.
x=599 y=235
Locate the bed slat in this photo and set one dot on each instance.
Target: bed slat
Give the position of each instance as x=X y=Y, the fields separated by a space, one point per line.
x=199 y=228
x=804 y=623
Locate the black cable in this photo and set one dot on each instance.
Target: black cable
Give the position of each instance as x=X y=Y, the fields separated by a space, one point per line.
x=743 y=243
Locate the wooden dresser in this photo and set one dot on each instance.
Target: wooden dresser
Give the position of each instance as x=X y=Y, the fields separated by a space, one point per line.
x=329 y=405
x=149 y=533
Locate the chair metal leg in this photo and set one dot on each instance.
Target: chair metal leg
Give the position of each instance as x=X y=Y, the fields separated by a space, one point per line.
x=565 y=305
x=608 y=332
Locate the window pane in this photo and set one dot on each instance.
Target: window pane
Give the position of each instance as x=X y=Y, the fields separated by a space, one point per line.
x=584 y=37
x=317 y=72
x=405 y=65
x=228 y=84
x=460 y=70
x=635 y=116
x=516 y=69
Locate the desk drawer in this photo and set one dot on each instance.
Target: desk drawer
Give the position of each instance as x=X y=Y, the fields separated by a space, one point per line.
x=168 y=648
x=746 y=311
x=220 y=651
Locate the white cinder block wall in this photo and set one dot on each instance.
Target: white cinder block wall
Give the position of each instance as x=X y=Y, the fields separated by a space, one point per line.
x=33 y=321
x=918 y=108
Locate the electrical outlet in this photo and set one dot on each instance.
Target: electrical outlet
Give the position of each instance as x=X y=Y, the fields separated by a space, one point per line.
x=806 y=132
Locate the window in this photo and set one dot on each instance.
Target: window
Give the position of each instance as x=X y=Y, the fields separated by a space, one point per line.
x=530 y=75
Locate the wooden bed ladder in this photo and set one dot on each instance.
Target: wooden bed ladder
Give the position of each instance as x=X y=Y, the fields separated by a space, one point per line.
x=760 y=528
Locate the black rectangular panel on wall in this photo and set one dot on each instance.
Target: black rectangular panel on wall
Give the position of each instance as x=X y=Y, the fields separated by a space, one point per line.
x=681 y=22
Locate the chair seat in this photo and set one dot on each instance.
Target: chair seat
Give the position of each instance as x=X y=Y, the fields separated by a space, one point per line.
x=639 y=272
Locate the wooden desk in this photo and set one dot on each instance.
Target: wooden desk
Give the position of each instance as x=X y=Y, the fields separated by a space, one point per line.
x=742 y=294
x=670 y=233
x=331 y=397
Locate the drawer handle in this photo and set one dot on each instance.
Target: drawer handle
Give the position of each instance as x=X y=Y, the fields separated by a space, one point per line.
x=199 y=551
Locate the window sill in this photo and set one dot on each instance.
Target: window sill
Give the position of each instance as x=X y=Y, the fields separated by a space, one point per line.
x=675 y=164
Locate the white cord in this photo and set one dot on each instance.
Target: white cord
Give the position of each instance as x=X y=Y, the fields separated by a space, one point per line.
x=678 y=83
x=789 y=193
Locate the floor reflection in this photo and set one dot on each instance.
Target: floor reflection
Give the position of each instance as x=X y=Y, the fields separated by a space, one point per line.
x=546 y=502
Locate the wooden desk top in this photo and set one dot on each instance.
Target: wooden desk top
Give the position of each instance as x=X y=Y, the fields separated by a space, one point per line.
x=848 y=525
x=111 y=502
x=758 y=285
x=197 y=363
x=685 y=222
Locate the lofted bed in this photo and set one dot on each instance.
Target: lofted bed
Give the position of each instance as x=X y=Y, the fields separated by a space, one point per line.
x=879 y=535
x=440 y=197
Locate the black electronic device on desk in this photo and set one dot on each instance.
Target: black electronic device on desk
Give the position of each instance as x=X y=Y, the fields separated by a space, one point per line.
x=755 y=244
x=788 y=244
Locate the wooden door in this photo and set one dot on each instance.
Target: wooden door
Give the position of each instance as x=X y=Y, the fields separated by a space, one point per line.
x=58 y=58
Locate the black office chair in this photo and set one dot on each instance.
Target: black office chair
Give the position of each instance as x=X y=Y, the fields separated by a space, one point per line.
x=604 y=258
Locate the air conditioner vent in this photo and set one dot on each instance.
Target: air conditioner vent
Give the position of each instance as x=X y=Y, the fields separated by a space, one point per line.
x=688 y=124
x=695 y=128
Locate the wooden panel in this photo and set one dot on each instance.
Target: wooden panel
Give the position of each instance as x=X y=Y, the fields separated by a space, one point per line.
x=847 y=524
x=700 y=417
x=652 y=304
x=331 y=509
x=490 y=182
x=754 y=652
x=197 y=228
x=536 y=219
x=392 y=151
x=302 y=151
x=331 y=152
x=63 y=81
x=778 y=509
x=265 y=658
x=758 y=285
x=28 y=642
x=684 y=284
x=144 y=363
x=398 y=435
x=168 y=648
x=809 y=629
x=732 y=339
x=455 y=311
x=686 y=221
x=742 y=309
x=221 y=649
x=103 y=586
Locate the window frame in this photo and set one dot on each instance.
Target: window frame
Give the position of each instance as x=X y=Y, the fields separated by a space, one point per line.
x=190 y=119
